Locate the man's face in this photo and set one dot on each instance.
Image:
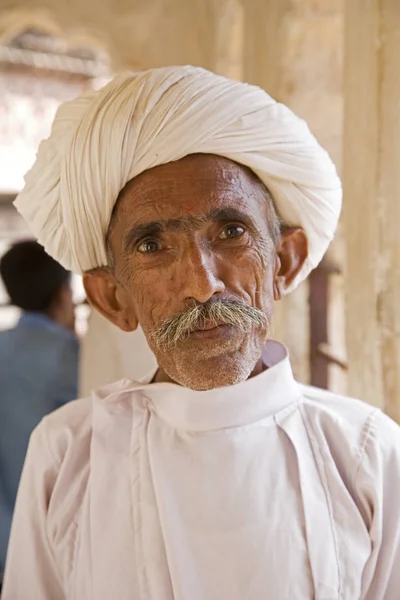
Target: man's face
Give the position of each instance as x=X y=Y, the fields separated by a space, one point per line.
x=194 y=264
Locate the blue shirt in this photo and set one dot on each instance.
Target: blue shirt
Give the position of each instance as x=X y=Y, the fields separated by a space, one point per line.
x=38 y=373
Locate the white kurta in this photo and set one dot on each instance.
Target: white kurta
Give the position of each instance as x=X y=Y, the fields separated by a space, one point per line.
x=266 y=490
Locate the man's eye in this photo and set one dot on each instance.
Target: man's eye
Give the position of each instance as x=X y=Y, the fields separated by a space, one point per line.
x=148 y=246
x=231 y=231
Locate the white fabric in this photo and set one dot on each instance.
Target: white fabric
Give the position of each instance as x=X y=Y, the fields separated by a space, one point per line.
x=265 y=491
x=105 y=138
x=109 y=354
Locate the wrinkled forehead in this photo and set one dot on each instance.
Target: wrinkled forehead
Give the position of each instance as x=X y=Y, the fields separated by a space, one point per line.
x=198 y=183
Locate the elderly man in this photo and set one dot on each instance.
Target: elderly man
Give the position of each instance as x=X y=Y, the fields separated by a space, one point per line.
x=191 y=203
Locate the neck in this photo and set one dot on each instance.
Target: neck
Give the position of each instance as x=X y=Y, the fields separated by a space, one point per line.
x=53 y=315
x=58 y=317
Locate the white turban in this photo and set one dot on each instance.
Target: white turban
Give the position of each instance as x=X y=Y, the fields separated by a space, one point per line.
x=103 y=139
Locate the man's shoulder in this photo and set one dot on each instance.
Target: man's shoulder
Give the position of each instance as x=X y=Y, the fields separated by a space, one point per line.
x=6 y=335
x=343 y=407
x=66 y=428
x=38 y=339
x=73 y=415
x=355 y=422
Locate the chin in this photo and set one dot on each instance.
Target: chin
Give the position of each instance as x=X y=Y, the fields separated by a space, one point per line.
x=203 y=385
x=209 y=365
x=213 y=373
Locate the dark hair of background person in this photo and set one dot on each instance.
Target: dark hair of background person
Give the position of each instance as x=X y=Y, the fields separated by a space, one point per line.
x=31 y=277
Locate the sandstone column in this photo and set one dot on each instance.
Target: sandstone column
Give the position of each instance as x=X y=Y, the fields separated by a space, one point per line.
x=263 y=55
x=292 y=48
x=372 y=200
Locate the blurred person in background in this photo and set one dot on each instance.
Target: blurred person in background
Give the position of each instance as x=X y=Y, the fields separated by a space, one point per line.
x=38 y=361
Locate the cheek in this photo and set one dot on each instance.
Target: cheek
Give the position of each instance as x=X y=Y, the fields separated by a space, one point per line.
x=251 y=277
x=265 y=290
x=152 y=296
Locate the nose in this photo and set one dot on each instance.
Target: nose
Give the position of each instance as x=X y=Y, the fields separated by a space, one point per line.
x=200 y=275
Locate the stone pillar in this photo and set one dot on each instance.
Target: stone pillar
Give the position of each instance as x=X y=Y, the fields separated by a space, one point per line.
x=372 y=200
x=292 y=49
x=263 y=54
x=264 y=43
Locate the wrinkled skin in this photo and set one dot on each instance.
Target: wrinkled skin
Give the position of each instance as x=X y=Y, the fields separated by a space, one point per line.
x=191 y=231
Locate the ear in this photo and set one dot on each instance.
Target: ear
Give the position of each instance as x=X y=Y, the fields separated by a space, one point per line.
x=107 y=296
x=291 y=254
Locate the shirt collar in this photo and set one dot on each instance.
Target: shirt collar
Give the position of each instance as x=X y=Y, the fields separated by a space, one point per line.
x=242 y=404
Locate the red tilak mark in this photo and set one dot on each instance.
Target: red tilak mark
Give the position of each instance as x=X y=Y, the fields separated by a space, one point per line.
x=189 y=208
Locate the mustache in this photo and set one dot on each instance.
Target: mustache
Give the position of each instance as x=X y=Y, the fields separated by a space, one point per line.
x=220 y=311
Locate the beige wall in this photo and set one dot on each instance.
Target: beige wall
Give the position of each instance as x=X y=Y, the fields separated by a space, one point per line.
x=136 y=34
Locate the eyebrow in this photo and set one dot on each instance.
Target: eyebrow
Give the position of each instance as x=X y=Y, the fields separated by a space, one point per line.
x=190 y=223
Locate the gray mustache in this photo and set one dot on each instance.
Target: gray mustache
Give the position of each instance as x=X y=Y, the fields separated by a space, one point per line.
x=226 y=311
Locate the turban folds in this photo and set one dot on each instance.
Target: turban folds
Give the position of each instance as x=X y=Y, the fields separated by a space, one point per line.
x=103 y=139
